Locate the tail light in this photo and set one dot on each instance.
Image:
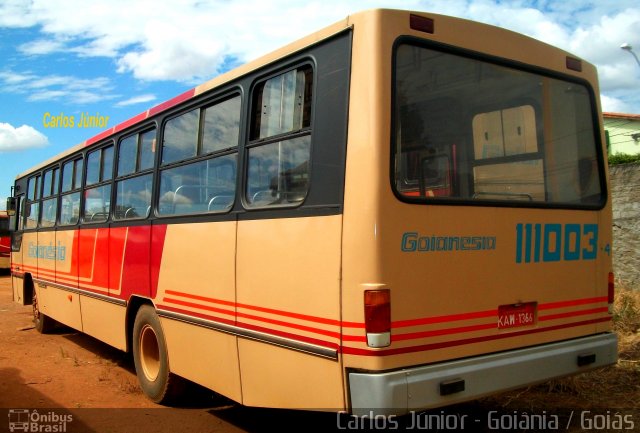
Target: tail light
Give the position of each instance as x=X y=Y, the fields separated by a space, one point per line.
x=611 y=288
x=377 y=317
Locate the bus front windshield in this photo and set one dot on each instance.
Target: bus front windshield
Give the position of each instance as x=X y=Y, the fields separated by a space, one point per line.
x=470 y=130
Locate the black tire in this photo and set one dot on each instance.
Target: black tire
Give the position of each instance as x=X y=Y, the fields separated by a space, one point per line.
x=43 y=323
x=152 y=360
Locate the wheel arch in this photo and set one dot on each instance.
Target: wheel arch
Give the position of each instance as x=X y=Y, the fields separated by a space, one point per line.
x=134 y=304
x=28 y=289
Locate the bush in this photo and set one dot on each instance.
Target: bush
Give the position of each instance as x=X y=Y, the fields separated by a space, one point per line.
x=626 y=311
x=623 y=158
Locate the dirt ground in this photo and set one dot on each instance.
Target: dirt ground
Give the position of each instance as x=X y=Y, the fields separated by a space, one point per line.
x=67 y=374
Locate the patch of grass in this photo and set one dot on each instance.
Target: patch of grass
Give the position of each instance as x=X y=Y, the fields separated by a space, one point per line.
x=626 y=312
x=623 y=158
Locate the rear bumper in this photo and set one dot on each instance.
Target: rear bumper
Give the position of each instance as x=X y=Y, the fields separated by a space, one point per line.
x=417 y=388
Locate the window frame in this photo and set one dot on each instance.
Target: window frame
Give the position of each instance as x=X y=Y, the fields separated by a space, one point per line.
x=507 y=63
x=254 y=143
x=200 y=156
x=50 y=195
x=117 y=178
x=32 y=198
x=104 y=179
x=74 y=189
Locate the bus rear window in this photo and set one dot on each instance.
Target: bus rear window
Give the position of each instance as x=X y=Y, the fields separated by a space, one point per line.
x=475 y=131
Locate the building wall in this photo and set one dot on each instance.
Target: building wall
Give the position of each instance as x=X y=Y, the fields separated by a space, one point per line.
x=625 y=191
x=623 y=133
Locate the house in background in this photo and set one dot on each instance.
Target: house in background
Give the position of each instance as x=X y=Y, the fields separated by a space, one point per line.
x=622 y=132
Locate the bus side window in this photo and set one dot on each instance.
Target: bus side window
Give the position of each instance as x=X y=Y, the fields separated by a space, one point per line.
x=280 y=151
x=70 y=192
x=32 y=209
x=134 y=184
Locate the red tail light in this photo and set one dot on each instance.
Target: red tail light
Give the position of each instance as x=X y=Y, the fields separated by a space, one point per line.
x=377 y=317
x=611 y=289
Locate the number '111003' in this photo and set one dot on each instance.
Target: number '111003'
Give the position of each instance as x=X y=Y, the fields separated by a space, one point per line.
x=556 y=242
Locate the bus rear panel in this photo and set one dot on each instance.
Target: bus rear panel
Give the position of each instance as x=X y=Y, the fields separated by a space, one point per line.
x=482 y=254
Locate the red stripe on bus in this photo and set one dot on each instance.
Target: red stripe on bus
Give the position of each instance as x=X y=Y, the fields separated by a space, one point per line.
x=332 y=334
x=439 y=332
x=98 y=137
x=172 y=102
x=198 y=315
x=127 y=123
x=200 y=306
x=269 y=331
x=573 y=314
x=294 y=337
x=489 y=313
x=201 y=298
x=572 y=303
x=444 y=319
x=444 y=344
x=306 y=317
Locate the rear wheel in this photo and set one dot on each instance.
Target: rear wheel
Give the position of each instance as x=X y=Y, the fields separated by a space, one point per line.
x=151 y=359
x=43 y=323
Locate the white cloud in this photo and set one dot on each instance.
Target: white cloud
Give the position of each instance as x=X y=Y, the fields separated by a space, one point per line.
x=190 y=40
x=57 y=87
x=41 y=46
x=613 y=104
x=20 y=138
x=136 y=100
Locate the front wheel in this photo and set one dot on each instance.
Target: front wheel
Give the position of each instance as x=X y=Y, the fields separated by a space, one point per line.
x=151 y=359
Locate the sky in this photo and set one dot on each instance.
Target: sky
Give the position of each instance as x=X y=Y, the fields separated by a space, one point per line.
x=114 y=59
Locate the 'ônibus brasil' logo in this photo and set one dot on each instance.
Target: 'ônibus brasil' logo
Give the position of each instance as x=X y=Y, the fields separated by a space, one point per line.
x=27 y=420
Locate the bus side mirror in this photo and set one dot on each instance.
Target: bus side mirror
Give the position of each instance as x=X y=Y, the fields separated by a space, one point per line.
x=12 y=206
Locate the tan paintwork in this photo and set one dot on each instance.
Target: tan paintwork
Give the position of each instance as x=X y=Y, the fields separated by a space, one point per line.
x=104 y=321
x=282 y=378
x=17 y=284
x=201 y=355
x=61 y=305
x=206 y=267
x=29 y=263
x=291 y=264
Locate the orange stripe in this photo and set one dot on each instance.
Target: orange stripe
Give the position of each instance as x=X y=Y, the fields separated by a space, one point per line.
x=200 y=306
x=444 y=319
x=439 y=332
x=257 y=318
x=474 y=340
x=306 y=317
x=574 y=314
x=572 y=303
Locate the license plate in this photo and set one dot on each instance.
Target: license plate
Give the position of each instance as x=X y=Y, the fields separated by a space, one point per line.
x=516 y=315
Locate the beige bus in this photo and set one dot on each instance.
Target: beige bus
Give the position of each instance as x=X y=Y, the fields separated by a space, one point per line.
x=400 y=211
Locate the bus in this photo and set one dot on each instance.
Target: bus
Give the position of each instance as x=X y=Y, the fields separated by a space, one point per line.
x=400 y=211
x=5 y=242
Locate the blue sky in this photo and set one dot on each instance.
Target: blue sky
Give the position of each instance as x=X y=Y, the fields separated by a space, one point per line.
x=117 y=58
